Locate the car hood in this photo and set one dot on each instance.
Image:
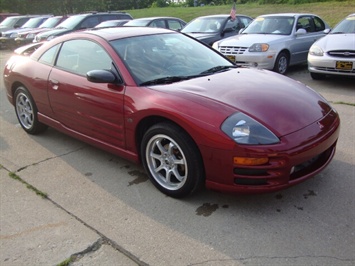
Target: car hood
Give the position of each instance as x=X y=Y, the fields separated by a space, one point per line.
x=17 y=30
x=337 y=42
x=201 y=35
x=278 y=102
x=247 y=40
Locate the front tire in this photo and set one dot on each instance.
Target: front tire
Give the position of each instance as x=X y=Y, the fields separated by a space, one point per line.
x=172 y=160
x=26 y=112
x=281 y=64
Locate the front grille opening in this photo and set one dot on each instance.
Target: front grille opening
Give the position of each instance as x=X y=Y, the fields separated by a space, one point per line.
x=311 y=165
x=250 y=181
x=250 y=172
x=256 y=177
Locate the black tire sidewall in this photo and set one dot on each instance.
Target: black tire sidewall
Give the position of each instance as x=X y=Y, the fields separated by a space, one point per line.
x=277 y=63
x=191 y=152
x=36 y=127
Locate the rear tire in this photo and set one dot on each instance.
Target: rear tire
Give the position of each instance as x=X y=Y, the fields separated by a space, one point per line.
x=26 y=112
x=172 y=160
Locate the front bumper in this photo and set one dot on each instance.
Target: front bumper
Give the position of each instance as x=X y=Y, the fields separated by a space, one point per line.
x=22 y=41
x=263 y=60
x=7 y=43
x=311 y=151
x=331 y=65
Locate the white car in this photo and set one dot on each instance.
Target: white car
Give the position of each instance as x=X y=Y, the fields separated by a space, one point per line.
x=274 y=41
x=335 y=53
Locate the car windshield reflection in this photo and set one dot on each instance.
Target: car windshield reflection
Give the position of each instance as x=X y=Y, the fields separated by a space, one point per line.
x=271 y=25
x=167 y=58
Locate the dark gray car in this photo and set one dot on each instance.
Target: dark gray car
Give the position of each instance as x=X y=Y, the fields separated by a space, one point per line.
x=210 y=29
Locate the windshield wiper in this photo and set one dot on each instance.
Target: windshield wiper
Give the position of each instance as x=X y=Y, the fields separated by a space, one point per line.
x=165 y=80
x=216 y=69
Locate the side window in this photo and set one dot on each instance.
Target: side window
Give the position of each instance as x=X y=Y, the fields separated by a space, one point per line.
x=245 y=21
x=174 y=25
x=21 y=21
x=232 y=25
x=108 y=17
x=319 y=24
x=124 y=16
x=81 y=56
x=90 y=22
x=48 y=57
x=157 y=24
x=305 y=23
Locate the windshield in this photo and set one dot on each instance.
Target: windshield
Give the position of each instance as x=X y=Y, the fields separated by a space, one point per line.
x=346 y=26
x=8 y=22
x=70 y=23
x=33 y=23
x=202 y=25
x=167 y=58
x=271 y=25
x=51 y=22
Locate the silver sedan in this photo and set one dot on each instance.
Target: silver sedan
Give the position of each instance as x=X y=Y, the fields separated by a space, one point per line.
x=335 y=53
x=274 y=41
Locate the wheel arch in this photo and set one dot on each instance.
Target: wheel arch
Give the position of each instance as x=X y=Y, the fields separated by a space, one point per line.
x=15 y=85
x=148 y=122
x=288 y=53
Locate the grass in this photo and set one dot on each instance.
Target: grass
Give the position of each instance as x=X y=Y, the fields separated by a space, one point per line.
x=38 y=192
x=331 y=12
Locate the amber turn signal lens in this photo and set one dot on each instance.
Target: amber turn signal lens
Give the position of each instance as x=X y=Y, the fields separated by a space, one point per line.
x=250 y=161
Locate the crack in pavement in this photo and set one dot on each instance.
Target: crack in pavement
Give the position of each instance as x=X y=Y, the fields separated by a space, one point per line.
x=49 y=158
x=103 y=240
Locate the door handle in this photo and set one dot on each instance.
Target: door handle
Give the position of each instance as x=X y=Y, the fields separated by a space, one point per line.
x=54 y=83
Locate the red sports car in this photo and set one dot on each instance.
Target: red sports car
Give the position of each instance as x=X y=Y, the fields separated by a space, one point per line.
x=188 y=114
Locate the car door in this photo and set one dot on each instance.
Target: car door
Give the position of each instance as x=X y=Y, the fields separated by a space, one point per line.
x=302 y=42
x=92 y=109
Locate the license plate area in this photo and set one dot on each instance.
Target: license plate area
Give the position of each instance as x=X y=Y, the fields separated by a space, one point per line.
x=343 y=65
x=231 y=57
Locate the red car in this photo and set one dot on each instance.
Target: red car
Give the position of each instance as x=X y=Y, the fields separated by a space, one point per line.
x=189 y=115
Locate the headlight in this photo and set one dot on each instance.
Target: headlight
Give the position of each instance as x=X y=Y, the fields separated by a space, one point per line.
x=30 y=36
x=215 y=46
x=245 y=130
x=259 y=47
x=51 y=38
x=316 y=50
x=13 y=35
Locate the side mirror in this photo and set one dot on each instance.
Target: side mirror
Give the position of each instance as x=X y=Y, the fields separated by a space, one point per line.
x=102 y=76
x=301 y=32
x=326 y=31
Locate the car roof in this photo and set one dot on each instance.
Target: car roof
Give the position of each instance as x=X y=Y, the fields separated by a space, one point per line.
x=110 y=34
x=220 y=16
x=287 y=15
x=152 y=18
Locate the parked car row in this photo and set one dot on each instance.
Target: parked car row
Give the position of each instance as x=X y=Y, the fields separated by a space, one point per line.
x=20 y=34
x=273 y=41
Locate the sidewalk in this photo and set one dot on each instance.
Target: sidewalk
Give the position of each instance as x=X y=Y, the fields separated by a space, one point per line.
x=35 y=231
